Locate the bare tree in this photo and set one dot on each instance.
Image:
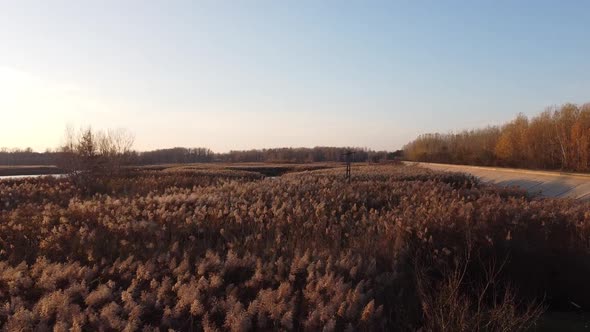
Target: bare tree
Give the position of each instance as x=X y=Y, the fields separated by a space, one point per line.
x=95 y=152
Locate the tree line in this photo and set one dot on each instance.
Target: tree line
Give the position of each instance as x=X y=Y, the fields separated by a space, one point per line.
x=27 y=157
x=558 y=138
x=306 y=155
x=88 y=148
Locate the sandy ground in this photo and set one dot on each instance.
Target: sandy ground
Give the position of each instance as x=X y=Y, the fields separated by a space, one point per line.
x=548 y=184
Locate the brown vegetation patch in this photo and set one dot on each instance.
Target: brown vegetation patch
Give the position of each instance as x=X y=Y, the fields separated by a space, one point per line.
x=218 y=249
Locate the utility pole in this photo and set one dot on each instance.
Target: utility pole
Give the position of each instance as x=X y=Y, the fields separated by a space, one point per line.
x=348 y=157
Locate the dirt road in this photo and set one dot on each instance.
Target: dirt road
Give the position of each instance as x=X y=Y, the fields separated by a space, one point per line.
x=549 y=184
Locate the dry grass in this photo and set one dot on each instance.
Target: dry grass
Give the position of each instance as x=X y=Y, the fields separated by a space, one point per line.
x=225 y=249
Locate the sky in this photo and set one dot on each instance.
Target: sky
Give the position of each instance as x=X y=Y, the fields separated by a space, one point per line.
x=258 y=74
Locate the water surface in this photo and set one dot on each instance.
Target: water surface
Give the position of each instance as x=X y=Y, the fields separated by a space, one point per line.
x=12 y=177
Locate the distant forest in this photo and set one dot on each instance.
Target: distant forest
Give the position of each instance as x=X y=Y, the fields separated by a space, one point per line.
x=196 y=155
x=558 y=138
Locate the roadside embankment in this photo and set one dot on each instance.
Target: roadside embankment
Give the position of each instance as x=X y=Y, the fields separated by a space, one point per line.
x=545 y=183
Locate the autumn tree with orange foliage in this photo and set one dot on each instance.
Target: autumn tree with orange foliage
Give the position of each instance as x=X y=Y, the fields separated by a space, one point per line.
x=558 y=138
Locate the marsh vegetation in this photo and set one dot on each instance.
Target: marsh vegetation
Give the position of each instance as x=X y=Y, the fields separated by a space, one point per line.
x=398 y=248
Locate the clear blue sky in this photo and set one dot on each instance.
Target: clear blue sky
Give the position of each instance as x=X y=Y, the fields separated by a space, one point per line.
x=253 y=74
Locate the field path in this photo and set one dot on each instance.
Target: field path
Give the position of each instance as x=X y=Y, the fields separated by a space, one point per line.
x=546 y=183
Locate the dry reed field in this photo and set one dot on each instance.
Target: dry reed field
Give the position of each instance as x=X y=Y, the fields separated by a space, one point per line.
x=198 y=249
